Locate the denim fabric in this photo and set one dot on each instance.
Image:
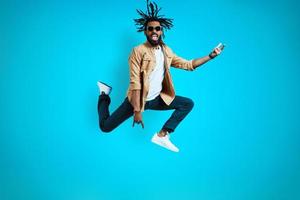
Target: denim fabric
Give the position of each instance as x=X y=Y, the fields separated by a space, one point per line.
x=181 y=105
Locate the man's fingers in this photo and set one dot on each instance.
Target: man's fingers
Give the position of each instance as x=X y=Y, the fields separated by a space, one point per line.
x=139 y=122
x=217 y=51
x=142 y=124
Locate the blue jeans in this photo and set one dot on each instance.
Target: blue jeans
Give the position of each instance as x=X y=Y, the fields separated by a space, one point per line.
x=107 y=122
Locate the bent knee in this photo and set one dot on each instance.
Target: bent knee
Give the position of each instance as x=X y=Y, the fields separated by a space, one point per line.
x=189 y=104
x=105 y=129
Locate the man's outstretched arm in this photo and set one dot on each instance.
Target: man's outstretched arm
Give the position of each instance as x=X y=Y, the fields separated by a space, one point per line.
x=191 y=65
x=200 y=61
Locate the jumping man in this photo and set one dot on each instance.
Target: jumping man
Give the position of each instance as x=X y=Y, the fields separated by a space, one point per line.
x=151 y=86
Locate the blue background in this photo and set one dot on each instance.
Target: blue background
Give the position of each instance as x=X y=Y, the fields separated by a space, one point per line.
x=241 y=141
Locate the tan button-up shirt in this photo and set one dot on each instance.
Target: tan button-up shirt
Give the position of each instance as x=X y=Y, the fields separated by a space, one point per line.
x=141 y=64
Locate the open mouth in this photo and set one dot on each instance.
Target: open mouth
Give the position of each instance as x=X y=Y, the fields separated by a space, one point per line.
x=154 y=37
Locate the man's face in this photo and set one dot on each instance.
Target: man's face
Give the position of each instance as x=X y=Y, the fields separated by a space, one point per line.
x=153 y=32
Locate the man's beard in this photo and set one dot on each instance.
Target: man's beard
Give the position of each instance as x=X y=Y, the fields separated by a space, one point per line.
x=154 y=42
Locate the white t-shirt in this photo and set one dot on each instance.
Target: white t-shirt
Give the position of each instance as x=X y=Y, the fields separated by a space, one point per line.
x=157 y=75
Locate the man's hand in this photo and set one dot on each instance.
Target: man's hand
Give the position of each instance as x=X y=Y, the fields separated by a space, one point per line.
x=137 y=118
x=215 y=52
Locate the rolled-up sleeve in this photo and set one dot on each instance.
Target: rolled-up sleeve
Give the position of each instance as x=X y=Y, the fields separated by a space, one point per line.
x=134 y=70
x=182 y=63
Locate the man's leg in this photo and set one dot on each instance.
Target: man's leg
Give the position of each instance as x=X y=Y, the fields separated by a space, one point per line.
x=109 y=122
x=182 y=106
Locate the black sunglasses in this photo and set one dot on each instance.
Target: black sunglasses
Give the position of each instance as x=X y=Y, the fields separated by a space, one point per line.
x=151 y=28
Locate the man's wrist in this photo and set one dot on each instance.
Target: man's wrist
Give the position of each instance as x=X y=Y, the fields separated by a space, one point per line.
x=211 y=56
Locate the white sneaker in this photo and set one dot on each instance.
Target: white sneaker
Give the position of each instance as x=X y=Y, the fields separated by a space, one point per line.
x=104 y=88
x=164 y=142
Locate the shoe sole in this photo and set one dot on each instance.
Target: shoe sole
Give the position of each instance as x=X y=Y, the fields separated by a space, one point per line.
x=110 y=88
x=105 y=84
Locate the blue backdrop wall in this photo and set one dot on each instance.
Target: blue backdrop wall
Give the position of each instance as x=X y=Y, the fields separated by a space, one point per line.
x=241 y=141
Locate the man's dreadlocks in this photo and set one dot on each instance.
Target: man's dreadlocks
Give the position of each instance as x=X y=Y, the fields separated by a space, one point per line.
x=151 y=15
